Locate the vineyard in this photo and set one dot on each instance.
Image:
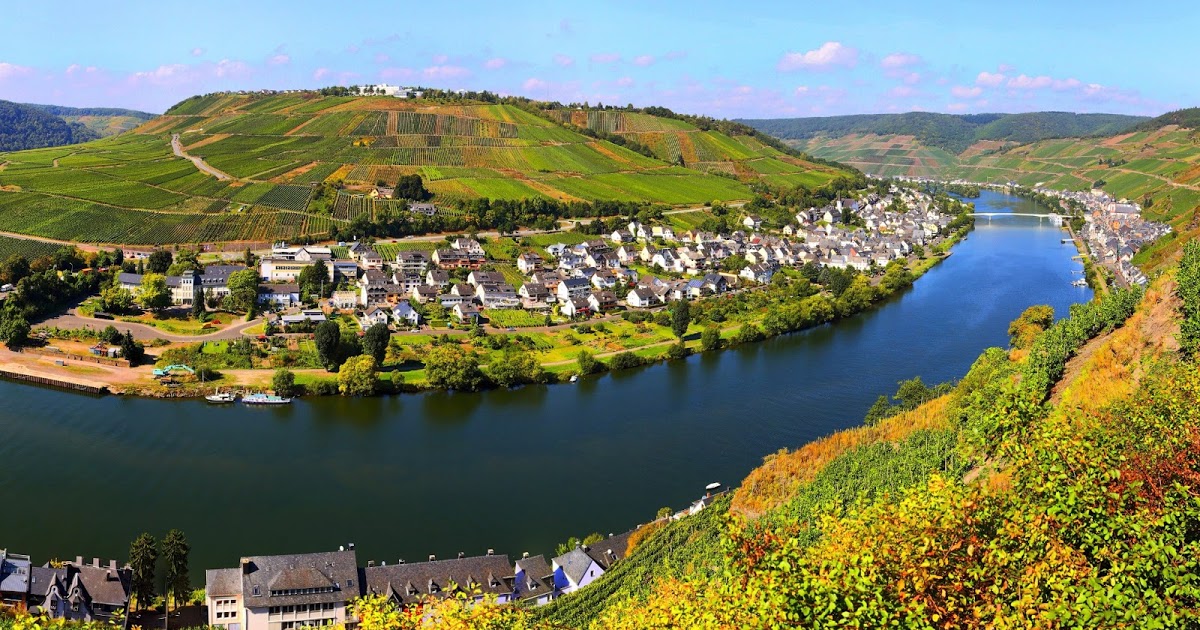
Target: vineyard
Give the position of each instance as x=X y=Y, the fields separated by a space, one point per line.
x=28 y=248
x=132 y=189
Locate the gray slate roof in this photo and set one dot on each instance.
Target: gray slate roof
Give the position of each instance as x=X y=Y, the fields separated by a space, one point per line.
x=308 y=578
x=574 y=564
x=409 y=583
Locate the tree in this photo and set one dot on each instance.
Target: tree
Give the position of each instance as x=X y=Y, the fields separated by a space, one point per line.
x=175 y=550
x=198 y=304
x=681 y=317
x=133 y=351
x=328 y=338
x=186 y=260
x=159 y=261
x=515 y=368
x=243 y=292
x=589 y=364
x=411 y=187
x=881 y=409
x=357 y=377
x=375 y=341
x=1032 y=321
x=116 y=299
x=15 y=268
x=677 y=351
x=143 y=555
x=284 y=383
x=248 y=258
x=449 y=367
x=710 y=339
x=314 y=280
x=14 y=330
x=153 y=293
x=111 y=335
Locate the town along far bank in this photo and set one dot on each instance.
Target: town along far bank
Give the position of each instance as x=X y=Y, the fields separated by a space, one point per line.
x=466 y=313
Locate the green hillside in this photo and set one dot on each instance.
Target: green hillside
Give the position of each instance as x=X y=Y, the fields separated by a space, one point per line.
x=1054 y=486
x=29 y=127
x=104 y=121
x=950 y=132
x=132 y=189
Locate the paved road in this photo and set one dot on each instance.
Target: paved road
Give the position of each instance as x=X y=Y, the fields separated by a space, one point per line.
x=143 y=332
x=177 y=146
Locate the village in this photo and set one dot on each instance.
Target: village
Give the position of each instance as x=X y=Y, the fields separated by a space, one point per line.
x=638 y=266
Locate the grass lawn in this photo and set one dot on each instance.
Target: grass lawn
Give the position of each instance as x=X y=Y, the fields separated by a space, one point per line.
x=180 y=325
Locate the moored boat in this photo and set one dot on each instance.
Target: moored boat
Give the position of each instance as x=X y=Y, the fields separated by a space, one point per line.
x=265 y=399
x=221 y=397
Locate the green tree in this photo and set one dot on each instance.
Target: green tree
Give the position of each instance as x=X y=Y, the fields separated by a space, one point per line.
x=328 y=338
x=588 y=364
x=14 y=330
x=153 y=293
x=375 y=341
x=133 y=351
x=243 y=292
x=677 y=351
x=314 y=280
x=1031 y=322
x=248 y=258
x=143 y=556
x=15 y=268
x=116 y=299
x=710 y=339
x=175 y=551
x=1188 y=289
x=449 y=367
x=857 y=297
x=357 y=377
x=411 y=187
x=515 y=368
x=681 y=317
x=284 y=383
x=896 y=276
x=159 y=261
x=881 y=409
x=198 y=304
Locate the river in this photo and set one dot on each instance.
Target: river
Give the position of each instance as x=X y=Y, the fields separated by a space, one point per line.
x=519 y=470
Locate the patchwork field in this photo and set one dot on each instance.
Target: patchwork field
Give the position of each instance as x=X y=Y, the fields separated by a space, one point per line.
x=132 y=189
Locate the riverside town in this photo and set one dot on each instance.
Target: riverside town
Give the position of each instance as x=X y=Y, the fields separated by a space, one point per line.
x=576 y=321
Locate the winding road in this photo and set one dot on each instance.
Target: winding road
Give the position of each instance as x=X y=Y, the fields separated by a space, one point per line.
x=177 y=147
x=142 y=332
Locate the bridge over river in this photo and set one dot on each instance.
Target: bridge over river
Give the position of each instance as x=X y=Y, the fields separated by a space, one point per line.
x=1055 y=219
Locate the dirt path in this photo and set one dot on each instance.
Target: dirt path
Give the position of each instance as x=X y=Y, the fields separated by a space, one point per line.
x=142 y=332
x=177 y=147
x=83 y=246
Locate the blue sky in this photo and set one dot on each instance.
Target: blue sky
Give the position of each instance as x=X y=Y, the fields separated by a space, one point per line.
x=743 y=59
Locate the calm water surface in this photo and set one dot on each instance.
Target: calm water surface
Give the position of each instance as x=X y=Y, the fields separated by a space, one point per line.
x=513 y=470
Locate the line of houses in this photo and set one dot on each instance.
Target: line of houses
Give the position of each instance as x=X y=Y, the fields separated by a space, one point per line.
x=70 y=590
x=1114 y=230
x=601 y=274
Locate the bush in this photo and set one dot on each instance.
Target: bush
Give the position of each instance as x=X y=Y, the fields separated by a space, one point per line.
x=677 y=351
x=624 y=361
x=589 y=364
x=323 y=387
x=284 y=383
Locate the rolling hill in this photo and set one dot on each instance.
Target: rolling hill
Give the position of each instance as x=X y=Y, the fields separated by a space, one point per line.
x=132 y=189
x=28 y=127
x=104 y=121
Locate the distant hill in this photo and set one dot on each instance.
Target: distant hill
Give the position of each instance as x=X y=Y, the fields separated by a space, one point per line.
x=27 y=127
x=1189 y=118
x=307 y=164
x=105 y=121
x=951 y=132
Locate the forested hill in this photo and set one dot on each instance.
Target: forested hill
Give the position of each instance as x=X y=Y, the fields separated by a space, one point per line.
x=26 y=127
x=950 y=132
x=105 y=121
x=1189 y=118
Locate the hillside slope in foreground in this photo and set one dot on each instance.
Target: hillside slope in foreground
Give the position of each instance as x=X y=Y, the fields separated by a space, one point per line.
x=267 y=152
x=1053 y=486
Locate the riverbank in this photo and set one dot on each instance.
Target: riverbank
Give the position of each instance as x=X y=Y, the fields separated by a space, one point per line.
x=634 y=339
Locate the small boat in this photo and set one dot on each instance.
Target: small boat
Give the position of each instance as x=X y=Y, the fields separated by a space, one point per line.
x=574 y=378
x=713 y=486
x=1079 y=283
x=219 y=398
x=265 y=399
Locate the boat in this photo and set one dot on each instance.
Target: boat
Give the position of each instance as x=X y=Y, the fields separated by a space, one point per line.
x=265 y=399
x=1079 y=283
x=218 y=398
x=574 y=377
x=713 y=486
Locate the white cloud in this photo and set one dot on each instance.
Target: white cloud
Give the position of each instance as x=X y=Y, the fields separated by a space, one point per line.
x=564 y=61
x=196 y=52
x=827 y=57
x=899 y=60
x=495 y=63
x=643 y=60
x=11 y=70
x=902 y=91
x=605 y=58
x=962 y=91
x=445 y=72
x=533 y=84
x=625 y=81
x=321 y=73
x=988 y=79
x=279 y=60
x=956 y=107
x=226 y=68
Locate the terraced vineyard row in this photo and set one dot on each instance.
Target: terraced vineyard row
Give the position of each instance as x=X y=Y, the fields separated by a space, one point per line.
x=30 y=249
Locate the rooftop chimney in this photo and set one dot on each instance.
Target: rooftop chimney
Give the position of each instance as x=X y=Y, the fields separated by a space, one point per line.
x=112 y=564
x=96 y=562
x=491 y=552
x=461 y=555
x=341 y=547
x=350 y=546
x=400 y=561
x=370 y=563
x=524 y=554
x=432 y=557
x=79 y=560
